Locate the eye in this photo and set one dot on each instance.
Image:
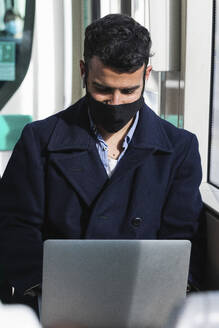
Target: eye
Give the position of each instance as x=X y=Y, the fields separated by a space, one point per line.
x=128 y=91
x=103 y=90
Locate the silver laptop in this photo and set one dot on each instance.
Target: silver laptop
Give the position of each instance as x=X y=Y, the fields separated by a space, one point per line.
x=112 y=283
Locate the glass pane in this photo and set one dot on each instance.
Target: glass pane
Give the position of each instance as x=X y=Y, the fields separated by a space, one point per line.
x=109 y=6
x=171 y=98
x=16 y=31
x=214 y=127
x=91 y=11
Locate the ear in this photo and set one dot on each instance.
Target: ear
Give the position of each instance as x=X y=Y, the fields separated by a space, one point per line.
x=148 y=71
x=82 y=68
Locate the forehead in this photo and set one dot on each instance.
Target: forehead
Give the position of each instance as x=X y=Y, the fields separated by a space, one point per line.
x=108 y=76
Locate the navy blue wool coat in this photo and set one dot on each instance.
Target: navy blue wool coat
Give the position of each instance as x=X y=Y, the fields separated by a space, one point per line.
x=55 y=186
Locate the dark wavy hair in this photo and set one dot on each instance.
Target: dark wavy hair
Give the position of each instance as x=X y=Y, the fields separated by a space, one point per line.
x=11 y=15
x=119 y=42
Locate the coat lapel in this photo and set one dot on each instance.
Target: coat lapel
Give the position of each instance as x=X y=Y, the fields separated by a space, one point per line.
x=73 y=152
x=148 y=139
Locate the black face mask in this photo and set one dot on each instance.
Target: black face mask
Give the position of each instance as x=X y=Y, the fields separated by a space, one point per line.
x=113 y=118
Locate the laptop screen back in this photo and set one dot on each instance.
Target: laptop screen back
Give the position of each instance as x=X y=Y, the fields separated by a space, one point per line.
x=113 y=283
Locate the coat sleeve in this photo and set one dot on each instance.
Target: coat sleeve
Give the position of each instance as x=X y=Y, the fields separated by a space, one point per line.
x=183 y=213
x=21 y=214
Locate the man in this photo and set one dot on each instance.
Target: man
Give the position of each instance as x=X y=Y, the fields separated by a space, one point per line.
x=106 y=168
x=13 y=25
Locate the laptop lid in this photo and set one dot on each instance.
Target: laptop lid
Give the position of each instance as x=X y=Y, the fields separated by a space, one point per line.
x=113 y=283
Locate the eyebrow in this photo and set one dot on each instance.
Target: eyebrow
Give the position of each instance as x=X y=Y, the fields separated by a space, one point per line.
x=104 y=87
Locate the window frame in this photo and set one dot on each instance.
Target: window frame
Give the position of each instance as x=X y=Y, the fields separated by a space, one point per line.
x=8 y=89
x=197 y=88
x=212 y=91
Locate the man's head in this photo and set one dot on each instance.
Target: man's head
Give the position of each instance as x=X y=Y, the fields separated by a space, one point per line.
x=13 y=22
x=118 y=43
x=116 y=54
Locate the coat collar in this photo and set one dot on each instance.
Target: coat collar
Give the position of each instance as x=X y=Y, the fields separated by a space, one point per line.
x=73 y=150
x=72 y=131
x=150 y=133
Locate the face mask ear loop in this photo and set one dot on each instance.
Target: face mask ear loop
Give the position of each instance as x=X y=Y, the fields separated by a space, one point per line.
x=85 y=76
x=144 y=74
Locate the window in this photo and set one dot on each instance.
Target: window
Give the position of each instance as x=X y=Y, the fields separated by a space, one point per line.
x=16 y=33
x=214 y=119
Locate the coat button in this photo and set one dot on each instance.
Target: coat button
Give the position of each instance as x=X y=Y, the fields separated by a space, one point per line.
x=136 y=222
x=103 y=217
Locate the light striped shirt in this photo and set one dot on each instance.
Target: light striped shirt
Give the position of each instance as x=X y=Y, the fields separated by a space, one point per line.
x=108 y=163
